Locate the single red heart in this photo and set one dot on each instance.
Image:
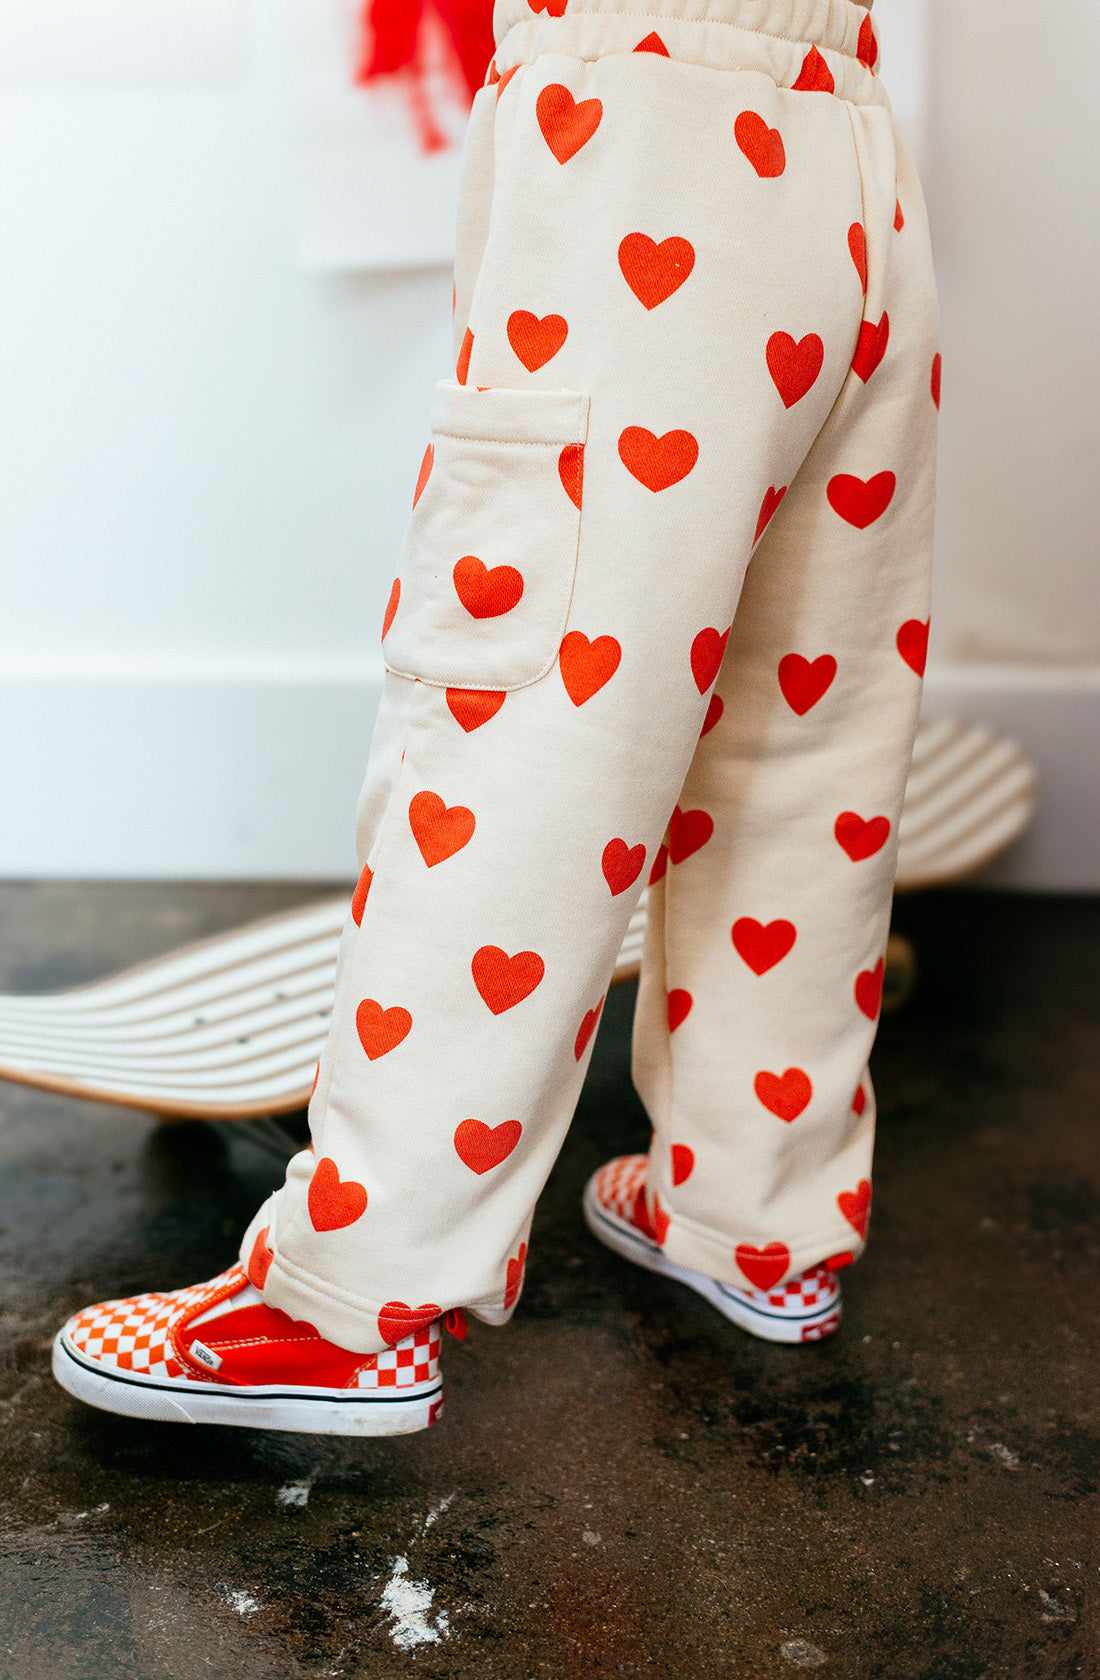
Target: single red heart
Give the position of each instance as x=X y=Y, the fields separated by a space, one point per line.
x=259 y=1261
x=763 y=1266
x=552 y=8
x=391 y=607
x=622 y=864
x=899 y=219
x=784 y=1095
x=687 y=832
x=513 y=1278
x=857 y=245
x=481 y=1147
x=657 y=462
x=485 y=593
x=360 y=895
x=679 y=1007
x=652 y=43
x=587 y=1028
x=505 y=79
x=334 y=1202
x=653 y=272
x=859 y=1101
x=536 y=341
x=504 y=981
x=763 y=146
x=804 y=681
x=566 y=125
x=762 y=945
x=439 y=830
x=571 y=471
x=871 y=347
x=815 y=75
x=425 y=473
x=794 y=365
x=396 y=1320
x=861 y=501
x=586 y=666
x=707 y=653
x=660 y=865
x=381 y=1030
x=471 y=707
x=866 y=46
x=855 y=1205
x=937 y=376
x=683 y=1163
x=861 y=839
x=868 y=989
x=772 y=499
x=462 y=366
x=714 y=713
x=912 y=641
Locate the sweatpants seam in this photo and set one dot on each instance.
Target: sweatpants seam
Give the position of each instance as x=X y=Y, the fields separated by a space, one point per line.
x=701 y=1233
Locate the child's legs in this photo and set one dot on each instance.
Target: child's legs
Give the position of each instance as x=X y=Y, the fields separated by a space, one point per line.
x=768 y=938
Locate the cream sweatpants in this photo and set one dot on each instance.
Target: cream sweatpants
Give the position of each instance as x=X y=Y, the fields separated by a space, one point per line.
x=660 y=615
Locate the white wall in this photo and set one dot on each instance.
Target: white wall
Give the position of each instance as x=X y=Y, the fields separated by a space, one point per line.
x=207 y=455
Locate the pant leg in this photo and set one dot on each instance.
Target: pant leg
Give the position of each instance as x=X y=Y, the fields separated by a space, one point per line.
x=765 y=946
x=661 y=323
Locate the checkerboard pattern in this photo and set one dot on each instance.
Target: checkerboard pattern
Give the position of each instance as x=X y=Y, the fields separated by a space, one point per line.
x=135 y=1334
x=817 y=1288
x=618 y=1183
x=415 y=1360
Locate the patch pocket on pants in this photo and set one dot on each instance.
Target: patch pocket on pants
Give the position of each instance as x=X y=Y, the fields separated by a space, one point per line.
x=487 y=567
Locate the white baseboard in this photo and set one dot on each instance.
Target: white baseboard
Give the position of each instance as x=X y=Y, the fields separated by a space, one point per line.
x=252 y=772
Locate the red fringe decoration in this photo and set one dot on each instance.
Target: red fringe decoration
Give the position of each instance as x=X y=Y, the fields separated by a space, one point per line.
x=396 y=35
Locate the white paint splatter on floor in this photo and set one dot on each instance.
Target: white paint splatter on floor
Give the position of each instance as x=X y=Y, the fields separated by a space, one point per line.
x=436 y=1512
x=407 y=1603
x=242 y=1602
x=295 y=1495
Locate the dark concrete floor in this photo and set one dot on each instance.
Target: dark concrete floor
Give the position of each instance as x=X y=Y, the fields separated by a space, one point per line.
x=624 y=1484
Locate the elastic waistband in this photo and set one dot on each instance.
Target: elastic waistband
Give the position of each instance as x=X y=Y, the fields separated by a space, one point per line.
x=815 y=46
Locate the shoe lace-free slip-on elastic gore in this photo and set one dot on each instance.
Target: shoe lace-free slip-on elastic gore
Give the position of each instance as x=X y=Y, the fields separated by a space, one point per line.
x=215 y=1353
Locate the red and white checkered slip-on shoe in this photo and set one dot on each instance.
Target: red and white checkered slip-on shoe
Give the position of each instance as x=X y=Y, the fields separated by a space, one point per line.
x=803 y=1309
x=214 y=1353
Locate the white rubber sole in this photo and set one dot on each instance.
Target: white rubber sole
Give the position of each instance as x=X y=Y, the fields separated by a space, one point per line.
x=771 y=1326
x=309 y=1411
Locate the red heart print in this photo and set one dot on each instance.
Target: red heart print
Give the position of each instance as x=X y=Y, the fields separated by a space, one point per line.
x=762 y=945
x=381 y=1030
x=653 y=272
x=871 y=347
x=536 y=341
x=504 y=981
x=763 y=146
x=683 y=1163
x=259 y=1261
x=899 y=219
x=660 y=866
x=481 y=1147
x=815 y=75
x=912 y=641
x=462 y=366
x=505 y=79
x=687 y=832
x=566 y=125
x=855 y=1205
x=471 y=707
x=396 y=1320
x=861 y=501
x=772 y=499
x=857 y=245
x=794 y=366
x=868 y=989
x=587 y=1028
x=714 y=713
x=571 y=471
x=804 y=681
x=784 y=1094
x=622 y=864
x=657 y=462
x=513 y=1278
x=937 y=374
x=707 y=653
x=679 y=1007
x=334 y=1202
x=485 y=593
x=861 y=839
x=587 y=666
x=866 y=46
x=652 y=43
x=763 y=1266
x=439 y=830
x=425 y=473
x=552 y=8
x=360 y=895
x=391 y=607
x=859 y=1101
